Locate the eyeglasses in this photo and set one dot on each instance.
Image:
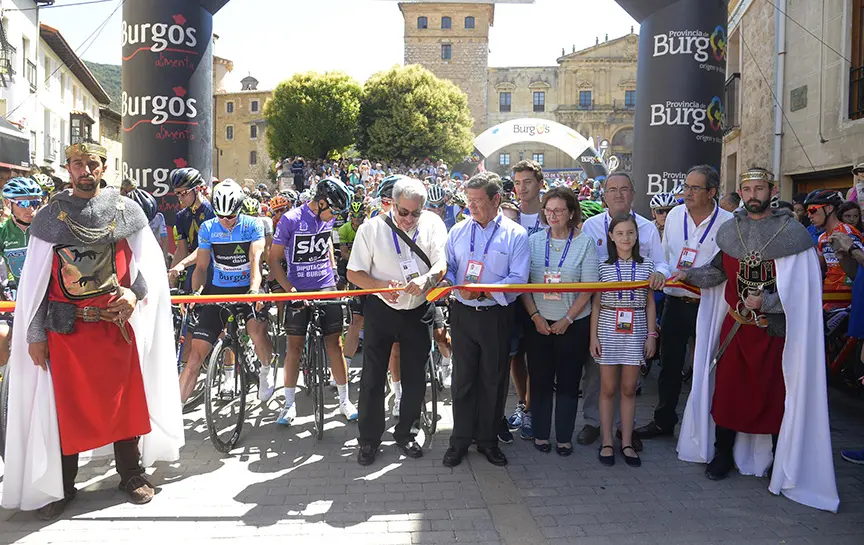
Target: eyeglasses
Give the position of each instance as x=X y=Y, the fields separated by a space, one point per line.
x=556 y=212
x=403 y=212
x=695 y=188
x=815 y=208
x=35 y=203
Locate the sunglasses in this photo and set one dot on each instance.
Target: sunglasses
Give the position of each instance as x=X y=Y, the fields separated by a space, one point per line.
x=231 y=217
x=35 y=203
x=662 y=211
x=183 y=193
x=403 y=212
x=435 y=206
x=815 y=208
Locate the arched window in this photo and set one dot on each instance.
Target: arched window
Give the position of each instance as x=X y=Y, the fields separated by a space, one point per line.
x=422 y=22
x=469 y=22
x=446 y=23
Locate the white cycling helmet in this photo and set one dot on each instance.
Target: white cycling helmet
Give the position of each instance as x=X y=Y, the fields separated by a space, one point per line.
x=227 y=199
x=435 y=194
x=663 y=200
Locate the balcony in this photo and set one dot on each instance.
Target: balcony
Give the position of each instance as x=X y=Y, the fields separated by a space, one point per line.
x=619 y=105
x=732 y=114
x=585 y=105
x=30 y=74
x=856 y=92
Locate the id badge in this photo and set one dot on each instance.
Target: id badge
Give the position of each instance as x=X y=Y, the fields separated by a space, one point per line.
x=409 y=270
x=624 y=320
x=474 y=271
x=687 y=258
x=552 y=278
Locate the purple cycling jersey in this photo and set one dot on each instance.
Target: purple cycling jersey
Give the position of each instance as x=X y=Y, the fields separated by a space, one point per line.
x=307 y=249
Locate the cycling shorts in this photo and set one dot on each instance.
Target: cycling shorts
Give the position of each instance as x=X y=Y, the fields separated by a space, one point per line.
x=357 y=304
x=297 y=319
x=438 y=318
x=209 y=321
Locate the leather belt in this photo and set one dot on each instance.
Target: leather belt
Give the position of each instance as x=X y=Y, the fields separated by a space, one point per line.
x=484 y=308
x=759 y=320
x=687 y=300
x=95 y=314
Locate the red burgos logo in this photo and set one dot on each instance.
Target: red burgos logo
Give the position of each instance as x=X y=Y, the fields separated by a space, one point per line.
x=159 y=37
x=161 y=110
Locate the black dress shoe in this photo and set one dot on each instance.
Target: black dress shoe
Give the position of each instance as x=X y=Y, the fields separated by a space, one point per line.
x=632 y=461
x=366 y=455
x=588 y=435
x=720 y=466
x=652 y=430
x=543 y=447
x=494 y=455
x=606 y=460
x=563 y=451
x=410 y=448
x=453 y=457
x=637 y=443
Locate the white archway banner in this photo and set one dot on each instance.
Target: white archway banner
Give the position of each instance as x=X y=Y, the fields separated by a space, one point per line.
x=532 y=130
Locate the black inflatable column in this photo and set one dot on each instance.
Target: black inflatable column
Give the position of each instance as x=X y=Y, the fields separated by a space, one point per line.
x=680 y=94
x=167 y=93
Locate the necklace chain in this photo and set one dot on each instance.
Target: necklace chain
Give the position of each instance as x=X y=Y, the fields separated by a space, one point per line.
x=87 y=235
x=752 y=258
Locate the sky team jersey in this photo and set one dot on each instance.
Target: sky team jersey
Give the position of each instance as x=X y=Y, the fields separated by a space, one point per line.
x=835 y=278
x=13 y=244
x=229 y=250
x=307 y=249
x=188 y=223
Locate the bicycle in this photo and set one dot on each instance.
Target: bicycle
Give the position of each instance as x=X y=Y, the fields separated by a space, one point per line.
x=842 y=352
x=435 y=381
x=181 y=316
x=233 y=350
x=4 y=409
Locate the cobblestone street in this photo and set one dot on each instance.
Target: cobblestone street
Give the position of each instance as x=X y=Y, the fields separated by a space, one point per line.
x=281 y=483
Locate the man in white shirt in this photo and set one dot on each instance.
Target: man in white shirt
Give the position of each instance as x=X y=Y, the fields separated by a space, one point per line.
x=619 y=193
x=380 y=258
x=688 y=242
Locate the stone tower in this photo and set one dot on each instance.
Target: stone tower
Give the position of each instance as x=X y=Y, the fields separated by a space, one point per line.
x=452 y=41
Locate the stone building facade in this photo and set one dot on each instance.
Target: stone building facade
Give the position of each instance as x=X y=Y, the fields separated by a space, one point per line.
x=110 y=123
x=240 y=151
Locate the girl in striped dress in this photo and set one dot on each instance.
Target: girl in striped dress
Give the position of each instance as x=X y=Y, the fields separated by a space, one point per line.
x=623 y=334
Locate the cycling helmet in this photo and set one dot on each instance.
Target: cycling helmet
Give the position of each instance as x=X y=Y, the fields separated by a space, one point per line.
x=45 y=182
x=435 y=195
x=227 y=198
x=261 y=187
x=305 y=196
x=251 y=207
x=460 y=200
x=279 y=203
x=663 y=200
x=145 y=201
x=824 y=196
x=17 y=188
x=186 y=178
x=336 y=193
x=358 y=209
x=385 y=188
x=590 y=209
x=507 y=184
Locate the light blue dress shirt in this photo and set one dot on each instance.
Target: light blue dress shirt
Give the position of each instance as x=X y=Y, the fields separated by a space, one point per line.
x=507 y=262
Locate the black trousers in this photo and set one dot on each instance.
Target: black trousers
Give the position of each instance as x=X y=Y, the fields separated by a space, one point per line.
x=383 y=326
x=555 y=369
x=678 y=325
x=481 y=352
x=126 y=456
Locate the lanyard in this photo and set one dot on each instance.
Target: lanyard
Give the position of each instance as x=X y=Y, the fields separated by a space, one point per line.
x=396 y=240
x=488 y=241
x=705 y=234
x=566 y=248
x=618 y=270
x=536 y=226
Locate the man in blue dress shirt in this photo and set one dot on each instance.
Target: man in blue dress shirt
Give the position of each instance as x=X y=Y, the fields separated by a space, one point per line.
x=486 y=249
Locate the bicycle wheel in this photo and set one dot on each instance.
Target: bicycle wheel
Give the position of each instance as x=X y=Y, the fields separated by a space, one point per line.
x=429 y=414
x=4 y=409
x=225 y=404
x=316 y=364
x=181 y=336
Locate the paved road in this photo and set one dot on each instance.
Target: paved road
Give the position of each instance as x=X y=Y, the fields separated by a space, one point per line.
x=282 y=484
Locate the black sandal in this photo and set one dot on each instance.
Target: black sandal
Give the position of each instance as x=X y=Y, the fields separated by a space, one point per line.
x=563 y=450
x=543 y=447
x=606 y=460
x=632 y=461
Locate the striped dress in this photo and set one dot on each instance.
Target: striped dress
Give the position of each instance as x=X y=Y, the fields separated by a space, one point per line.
x=623 y=348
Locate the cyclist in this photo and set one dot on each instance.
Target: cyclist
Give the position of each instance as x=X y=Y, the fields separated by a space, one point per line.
x=822 y=209
x=347 y=234
x=304 y=237
x=23 y=196
x=385 y=193
x=345 y=238
x=252 y=208
x=435 y=202
x=661 y=204
x=154 y=216
x=188 y=186
x=232 y=243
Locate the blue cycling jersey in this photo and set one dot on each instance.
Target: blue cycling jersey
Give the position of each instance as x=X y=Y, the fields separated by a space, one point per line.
x=229 y=250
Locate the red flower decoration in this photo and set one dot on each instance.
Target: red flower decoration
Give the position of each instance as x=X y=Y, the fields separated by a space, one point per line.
x=180 y=163
x=179 y=19
x=179 y=91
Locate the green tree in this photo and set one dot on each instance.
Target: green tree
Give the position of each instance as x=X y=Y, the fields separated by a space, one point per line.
x=408 y=114
x=313 y=115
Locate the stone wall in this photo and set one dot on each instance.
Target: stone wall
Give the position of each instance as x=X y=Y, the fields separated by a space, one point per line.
x=232 y=157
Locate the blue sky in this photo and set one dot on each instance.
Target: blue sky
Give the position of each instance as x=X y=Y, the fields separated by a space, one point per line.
x=359 y=37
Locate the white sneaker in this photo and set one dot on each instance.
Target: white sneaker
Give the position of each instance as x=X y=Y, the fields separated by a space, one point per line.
x=446 y=375
x=287 y=415
x=396 y=404
x=266 y=384
x=348 y=410
x=228 y=382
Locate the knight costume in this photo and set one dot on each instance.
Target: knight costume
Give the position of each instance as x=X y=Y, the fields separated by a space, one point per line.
x=109 y=380
x=759 y=376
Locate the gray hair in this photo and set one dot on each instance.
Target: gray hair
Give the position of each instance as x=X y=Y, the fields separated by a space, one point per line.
x=411 y=189
x=623 y=175
x=489 y=181
x=712 y=177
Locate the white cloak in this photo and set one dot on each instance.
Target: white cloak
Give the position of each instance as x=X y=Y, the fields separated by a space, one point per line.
x=804 y=463
x=33 y=476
